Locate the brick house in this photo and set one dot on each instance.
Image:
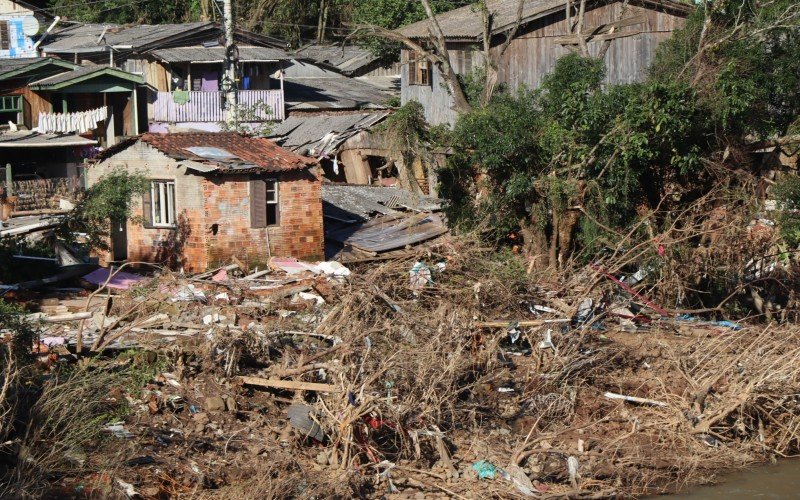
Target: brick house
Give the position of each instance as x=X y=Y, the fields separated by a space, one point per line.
x=214 y=196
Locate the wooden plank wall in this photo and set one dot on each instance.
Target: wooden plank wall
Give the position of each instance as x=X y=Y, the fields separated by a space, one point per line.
x=535 y=51
x=435 y=98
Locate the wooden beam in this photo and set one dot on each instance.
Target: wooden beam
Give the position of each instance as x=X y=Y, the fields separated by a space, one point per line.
x=292 y=385
x=528 y=323
x=572 y=40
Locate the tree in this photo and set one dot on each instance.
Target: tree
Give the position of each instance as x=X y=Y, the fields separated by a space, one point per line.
x=108 y=200
x=125 y=11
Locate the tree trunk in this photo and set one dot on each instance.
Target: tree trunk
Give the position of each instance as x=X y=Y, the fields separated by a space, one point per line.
x=322 y=20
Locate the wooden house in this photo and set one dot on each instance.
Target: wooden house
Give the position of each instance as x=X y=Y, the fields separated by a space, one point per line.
x=182 y=66
x=634 y=28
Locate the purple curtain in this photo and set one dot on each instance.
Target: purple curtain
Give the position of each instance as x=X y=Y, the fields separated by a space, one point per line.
x=210 y=81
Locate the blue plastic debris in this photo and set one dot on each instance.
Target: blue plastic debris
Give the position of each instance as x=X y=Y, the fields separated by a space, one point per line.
x=485 y=470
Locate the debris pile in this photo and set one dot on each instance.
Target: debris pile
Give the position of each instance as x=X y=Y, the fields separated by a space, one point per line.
x=450 y=373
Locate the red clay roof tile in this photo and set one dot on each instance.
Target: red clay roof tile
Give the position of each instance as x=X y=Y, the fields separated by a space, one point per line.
x=257 y=151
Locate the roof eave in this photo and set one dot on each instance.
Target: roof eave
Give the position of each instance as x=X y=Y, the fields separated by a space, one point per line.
x=34 y=66
x=136 y=79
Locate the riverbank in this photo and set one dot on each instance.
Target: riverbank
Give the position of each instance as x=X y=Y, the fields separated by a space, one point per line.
x=455 y=373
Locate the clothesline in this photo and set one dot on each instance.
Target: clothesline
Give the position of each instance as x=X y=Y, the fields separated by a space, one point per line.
x=80 y=121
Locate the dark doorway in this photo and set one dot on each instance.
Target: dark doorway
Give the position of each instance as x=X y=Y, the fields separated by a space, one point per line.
x=119 y=240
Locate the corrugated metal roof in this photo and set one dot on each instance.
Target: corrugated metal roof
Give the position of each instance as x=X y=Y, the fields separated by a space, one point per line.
x=350 y=202
x=337 y=92
x=27 y=139
x=303 y=133
x=86 y=38
x=85 y=71
x=217 y=54
x=7 y=65
x=346 y=59
x=467 y=23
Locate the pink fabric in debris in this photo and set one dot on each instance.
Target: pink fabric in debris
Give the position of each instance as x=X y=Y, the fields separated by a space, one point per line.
x=120 y=281
x=222 y=275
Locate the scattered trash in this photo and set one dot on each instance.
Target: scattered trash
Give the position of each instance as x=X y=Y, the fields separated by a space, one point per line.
x=634 y=399
x=333 y=268
x=118 y=429
x=485 y=470
x=547 y=342
x=300 y=418
x=119 y=281
x=420 y=276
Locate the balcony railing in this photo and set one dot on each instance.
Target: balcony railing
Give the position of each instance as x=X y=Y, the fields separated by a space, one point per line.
x=255 y=105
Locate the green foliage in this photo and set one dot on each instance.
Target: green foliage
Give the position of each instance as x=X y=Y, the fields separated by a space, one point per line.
x=126 y=11
x=250 y=120
x=748 y=73
x=108 y=200
x=533 y=155
x=391 y=14
x=23 y=331
x=787 y=194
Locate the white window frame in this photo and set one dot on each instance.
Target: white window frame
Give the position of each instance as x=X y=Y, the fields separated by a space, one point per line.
x=162 y=203
x=276 y=202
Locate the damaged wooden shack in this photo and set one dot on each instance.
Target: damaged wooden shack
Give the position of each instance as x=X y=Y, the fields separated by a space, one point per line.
x=364 y=223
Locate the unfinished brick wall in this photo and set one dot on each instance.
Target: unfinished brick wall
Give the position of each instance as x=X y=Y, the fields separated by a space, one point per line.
x=214 y=216
x=299 y=233
x=183 y=246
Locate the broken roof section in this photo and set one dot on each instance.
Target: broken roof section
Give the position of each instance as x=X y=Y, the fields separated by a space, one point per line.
x=321 y=135
x=350 y=60
x=220 y=152
x=332 y=93
x=354 y=203
x=466 y=23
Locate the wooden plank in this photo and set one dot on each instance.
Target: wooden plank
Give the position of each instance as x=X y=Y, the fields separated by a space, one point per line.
x=291 y=385
x=571 y=40
x=523 y=324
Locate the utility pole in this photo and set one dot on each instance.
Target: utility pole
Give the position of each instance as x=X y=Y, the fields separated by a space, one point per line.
x=229 y=78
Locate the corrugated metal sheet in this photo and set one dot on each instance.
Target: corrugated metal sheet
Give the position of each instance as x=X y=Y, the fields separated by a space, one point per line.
x=34 y=139
x=82 y=38
x=346 y=59
x=217 y=54
x=466 y=23
x=348 y=202
x=336 y=92
x=390 y=232
x=302 y=133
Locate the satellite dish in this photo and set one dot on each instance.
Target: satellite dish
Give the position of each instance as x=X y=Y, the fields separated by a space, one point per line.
x=30 y=25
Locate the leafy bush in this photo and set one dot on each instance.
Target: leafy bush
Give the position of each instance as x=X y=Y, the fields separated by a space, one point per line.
x=108 y=200
x=787 y=194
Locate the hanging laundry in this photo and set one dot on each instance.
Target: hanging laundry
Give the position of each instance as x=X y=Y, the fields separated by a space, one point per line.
x=64 y=123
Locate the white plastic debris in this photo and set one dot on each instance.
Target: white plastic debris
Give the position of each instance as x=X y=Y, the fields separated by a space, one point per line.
x=420 y=276
x=572 y=468
x=547 y=342
x=311 y=296
x=333 y=268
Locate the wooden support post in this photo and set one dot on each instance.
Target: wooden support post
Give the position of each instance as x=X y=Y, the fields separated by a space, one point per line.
x=9 y=181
